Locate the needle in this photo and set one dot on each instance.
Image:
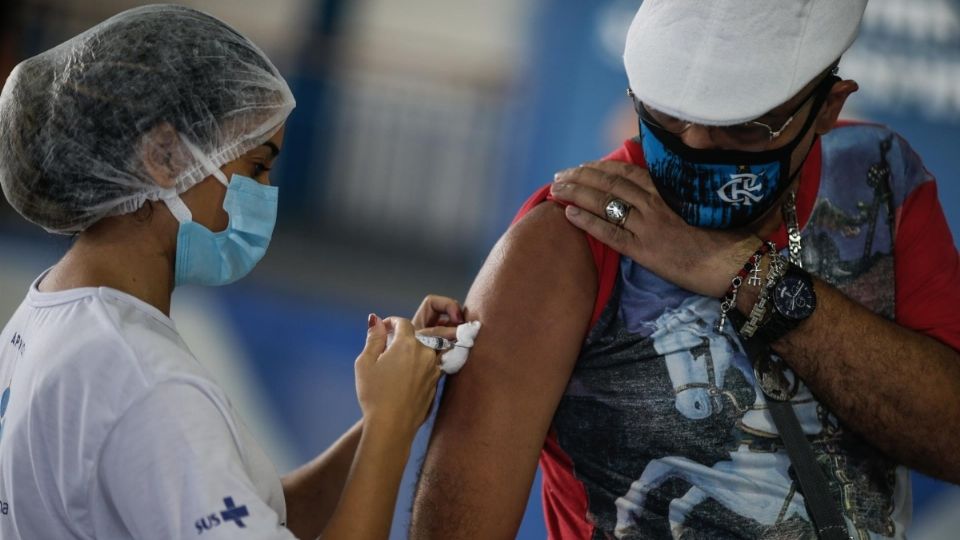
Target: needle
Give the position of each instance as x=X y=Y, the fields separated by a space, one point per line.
x=435 y=342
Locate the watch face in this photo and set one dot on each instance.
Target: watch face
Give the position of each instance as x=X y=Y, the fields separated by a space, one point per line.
x=794 y=297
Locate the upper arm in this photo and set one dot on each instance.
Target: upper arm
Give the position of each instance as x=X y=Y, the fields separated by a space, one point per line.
x=927 y=268
x=535 y=296
x=170 y=468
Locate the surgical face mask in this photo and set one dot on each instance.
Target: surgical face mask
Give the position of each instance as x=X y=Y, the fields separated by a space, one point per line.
x=208 y=258
x=719 y=189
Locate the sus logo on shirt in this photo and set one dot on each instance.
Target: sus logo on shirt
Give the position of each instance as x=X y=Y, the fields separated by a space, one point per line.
x=232 y=512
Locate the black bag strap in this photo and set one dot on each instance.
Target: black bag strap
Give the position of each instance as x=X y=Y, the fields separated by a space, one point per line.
x=822 y=508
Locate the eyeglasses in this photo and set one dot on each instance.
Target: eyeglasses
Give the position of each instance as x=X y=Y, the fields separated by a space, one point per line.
x=750 y=134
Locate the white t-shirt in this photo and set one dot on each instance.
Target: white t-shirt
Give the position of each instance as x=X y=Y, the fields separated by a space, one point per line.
x=109 y=428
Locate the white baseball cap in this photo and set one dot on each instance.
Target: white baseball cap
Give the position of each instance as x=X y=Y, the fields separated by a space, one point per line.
x=722 y=62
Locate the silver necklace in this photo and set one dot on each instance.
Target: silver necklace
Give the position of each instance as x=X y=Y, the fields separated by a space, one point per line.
x=789 y=210
x=770 y=370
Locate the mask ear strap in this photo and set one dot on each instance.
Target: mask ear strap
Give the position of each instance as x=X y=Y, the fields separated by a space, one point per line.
x=822 y=93
x=178 y=208
x=204 y=160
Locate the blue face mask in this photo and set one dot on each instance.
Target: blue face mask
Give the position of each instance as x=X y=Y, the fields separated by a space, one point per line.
x=719 y=189
x=208 y=258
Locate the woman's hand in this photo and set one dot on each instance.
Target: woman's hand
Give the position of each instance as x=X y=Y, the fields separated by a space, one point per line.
x=438 y=316
x=395 y=385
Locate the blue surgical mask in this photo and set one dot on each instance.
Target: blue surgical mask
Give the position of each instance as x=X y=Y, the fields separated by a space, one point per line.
x=208 y=258
x=719 y=189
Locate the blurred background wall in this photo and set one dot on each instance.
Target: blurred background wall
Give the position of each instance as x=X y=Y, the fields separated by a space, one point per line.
x=420 y=128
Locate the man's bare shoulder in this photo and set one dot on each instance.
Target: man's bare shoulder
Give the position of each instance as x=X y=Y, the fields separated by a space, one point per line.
x=547 y=224
x=541 y=269
x=542 y=247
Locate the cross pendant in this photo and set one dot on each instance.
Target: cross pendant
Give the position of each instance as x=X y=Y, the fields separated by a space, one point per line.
x=754 y=279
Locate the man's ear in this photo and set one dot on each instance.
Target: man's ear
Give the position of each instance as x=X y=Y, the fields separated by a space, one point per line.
x=830 y=111
x=163 y=154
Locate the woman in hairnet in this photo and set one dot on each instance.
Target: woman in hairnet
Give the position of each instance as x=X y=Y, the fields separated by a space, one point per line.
x=151 y=137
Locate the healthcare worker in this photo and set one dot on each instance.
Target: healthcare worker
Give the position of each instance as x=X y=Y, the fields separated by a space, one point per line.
x=150 y=137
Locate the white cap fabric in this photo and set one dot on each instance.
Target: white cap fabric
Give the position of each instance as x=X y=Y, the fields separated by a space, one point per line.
x=724 y=62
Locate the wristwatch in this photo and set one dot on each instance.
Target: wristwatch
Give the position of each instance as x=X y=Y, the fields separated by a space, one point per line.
x=793 y=300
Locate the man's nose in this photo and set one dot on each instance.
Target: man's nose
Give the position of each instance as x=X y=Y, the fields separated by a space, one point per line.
x=699 y=137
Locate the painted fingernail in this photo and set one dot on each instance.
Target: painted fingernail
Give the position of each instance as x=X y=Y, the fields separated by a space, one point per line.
x=371 y=320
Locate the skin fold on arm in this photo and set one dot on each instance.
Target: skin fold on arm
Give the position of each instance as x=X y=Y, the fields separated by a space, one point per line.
x=534 y=295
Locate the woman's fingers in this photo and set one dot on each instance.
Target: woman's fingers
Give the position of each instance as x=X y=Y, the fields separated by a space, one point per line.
x=398 y=385
x=436 y=309
x=376 y=340
x=446 y=332
x=401 y=328
x=405 y=341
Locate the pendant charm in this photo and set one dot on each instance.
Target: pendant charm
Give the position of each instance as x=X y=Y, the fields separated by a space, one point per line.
x=773 y=378
x=721 y=322
x=754 y=279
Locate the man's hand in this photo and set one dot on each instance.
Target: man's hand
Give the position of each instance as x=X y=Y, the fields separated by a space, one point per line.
x=699 y=260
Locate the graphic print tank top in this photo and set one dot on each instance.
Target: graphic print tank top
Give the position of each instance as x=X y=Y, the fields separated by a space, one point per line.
x=662 y=431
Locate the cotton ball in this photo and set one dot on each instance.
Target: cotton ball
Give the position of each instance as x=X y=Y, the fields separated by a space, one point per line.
x=455 y=358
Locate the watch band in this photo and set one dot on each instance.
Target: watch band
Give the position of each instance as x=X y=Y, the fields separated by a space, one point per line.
x=758 y=314
x=778 y=324
x=775 y=324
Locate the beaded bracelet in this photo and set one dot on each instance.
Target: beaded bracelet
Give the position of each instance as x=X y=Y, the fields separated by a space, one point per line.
x=752 y=267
